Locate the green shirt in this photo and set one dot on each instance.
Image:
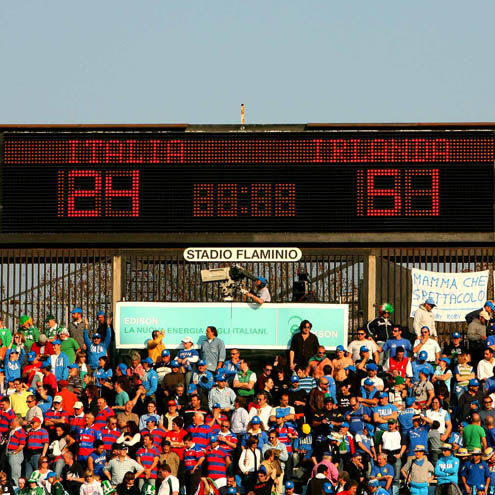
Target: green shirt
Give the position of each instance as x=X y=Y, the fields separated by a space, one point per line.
x=5 y=337
x=472 y=435
x=121 y=398
x=69 y=346
x=31 y=334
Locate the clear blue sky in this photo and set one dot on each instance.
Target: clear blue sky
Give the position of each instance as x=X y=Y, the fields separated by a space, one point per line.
x=123 y=61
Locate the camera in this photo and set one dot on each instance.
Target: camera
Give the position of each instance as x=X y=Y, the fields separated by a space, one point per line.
x=301 y=288
x=231 y=280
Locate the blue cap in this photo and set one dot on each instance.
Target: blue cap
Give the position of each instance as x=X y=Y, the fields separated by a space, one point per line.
x=430 y=301
x=231 y=490
x=350 y=368
x=31 y=356
x=216 y=406
x=2 y=370
x=373 y=482
x=368 y=382
x=72 y=366
x=364 y=349
x=445 y=359
x=410 y=401
x=490 y=341
x=369 y=427
x=77 y=310
x=123 y=368
x=214 y=438
x=262 y=469
x=165 y=352
x=256 y=420
x=464 y=424
x=191 y=389
x=489 y=304
x=97 y=336
x=201 y=362
x=371 y=366
x=263 y=280
x=383 y=395
x=294 y=379
x=46 y=364
x=147 y=360
x=456 y=335
x=473 y=383
x=152 y=418
x=174 y=364
x=220 y=377
x=51 y=474
x=289 y=485
x=100 y=313
x=340 y=348
x=345 y=424
x=422 y=356
x=327 y=487
x=56 y=342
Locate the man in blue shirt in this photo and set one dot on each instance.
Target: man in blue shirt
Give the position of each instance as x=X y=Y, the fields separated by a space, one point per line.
x=150 y=379
x=391 y=345
x=417 y=436
x=406 y=416
x=475 y=474
x=383 y=412
x=446 y=469
x=383 y=471
x=420 y=365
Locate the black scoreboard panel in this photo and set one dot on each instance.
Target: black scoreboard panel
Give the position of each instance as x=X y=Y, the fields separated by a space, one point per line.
x=245 y=182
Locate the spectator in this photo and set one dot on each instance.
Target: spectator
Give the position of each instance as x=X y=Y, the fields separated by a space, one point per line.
x=363 y=341
x=95 y=348
x=155 y=345
x=213 y=350
x=304 y=345
x=427 y=344
x=424 y=317
x=245 y=380
x=77 y=327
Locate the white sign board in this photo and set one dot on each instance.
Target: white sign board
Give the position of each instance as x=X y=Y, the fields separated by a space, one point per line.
x=455 y=294
x=242 y=254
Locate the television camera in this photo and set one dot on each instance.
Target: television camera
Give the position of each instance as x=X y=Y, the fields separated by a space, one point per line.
x=232 y=280
x=301 y=291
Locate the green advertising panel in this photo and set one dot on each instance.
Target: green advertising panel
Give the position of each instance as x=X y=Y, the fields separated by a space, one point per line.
x=241 y=325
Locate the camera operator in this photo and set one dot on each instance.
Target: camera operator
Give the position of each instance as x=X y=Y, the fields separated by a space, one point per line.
x=262 y=294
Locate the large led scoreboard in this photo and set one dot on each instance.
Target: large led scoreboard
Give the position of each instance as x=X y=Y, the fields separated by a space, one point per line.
x=136 y=181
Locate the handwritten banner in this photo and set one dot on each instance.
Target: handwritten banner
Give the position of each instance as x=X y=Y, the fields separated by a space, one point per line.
x=455 y=294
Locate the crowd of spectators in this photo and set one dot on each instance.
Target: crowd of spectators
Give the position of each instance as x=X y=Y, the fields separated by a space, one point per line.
x=391 y=412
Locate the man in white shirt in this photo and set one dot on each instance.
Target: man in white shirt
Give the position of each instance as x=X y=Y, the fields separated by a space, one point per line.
x=170 y=484
x=262 y=409
x=427 y=344
x=485 y=366
x=354 y=347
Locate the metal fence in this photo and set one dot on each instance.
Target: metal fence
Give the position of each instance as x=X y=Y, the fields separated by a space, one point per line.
x=39 y=282
x=335 y=279
x=43 y=281
x=393 y=275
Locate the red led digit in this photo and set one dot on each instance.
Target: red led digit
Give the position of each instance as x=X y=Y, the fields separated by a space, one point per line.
x=132 y=193
x=73 y=193
x=203 y=200
x=60 y=194
x=374 y=192
x=285 y=200
x=360 y=193
x=227 y=200
x=261 y=200
x=410 y=193
x=114 y=151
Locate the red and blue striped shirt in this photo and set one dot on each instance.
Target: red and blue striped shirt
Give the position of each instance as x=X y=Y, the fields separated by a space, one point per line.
x=101 y=418
x=53 y=414
x=36 y=439
x=5 y=419
x=146 y=457
x=87 y=437
x=16 y=439
x=200 y=435
x=283 y=436
x=217 y=467
x=191 y=457
x=109 y=437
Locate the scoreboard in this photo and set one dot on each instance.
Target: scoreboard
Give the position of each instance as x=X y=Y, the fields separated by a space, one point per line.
x=306 y=181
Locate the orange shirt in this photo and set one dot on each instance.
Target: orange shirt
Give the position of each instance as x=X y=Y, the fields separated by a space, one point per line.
x=68 y=400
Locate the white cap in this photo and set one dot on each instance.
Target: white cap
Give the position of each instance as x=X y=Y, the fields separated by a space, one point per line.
x=187 y=339
x=78 y=405
x=57 y=398
x=63 y=331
